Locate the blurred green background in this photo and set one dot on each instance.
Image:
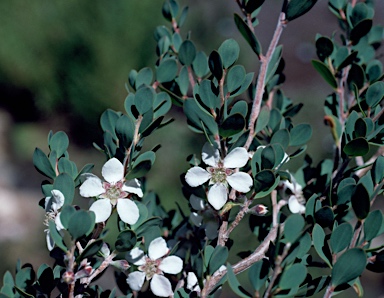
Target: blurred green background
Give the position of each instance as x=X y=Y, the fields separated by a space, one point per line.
x=62 y=63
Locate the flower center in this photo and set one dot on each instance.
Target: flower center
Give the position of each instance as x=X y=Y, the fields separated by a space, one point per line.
x=219 y=174
x=150 y=268
x=51 y=215
x=114 y=192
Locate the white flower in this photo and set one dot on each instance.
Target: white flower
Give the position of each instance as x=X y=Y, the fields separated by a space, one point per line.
x=220 y=174
x=112 y=193
x=52 y=208
x=296 y=200
x=152 y=267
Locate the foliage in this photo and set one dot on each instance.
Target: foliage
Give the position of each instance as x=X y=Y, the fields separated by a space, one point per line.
x=251 y=135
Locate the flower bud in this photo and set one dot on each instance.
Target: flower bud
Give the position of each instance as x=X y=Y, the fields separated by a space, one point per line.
x=68 y=277
x=259 y=210
x=120 y=264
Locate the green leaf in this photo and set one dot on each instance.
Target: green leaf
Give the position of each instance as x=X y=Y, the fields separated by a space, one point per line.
x=282 y=137
x=341 y=237
x=356 y=147
x=294 y=225
x=375 y=94
x=318 y=237
x=218 y=258
x=378 y=170
x=125 y=129
x=65 y=184
x=187 y=52
x=235 y=77
x=216 y=65
x=144 y=77
x=108 y=121
x=360 y=202
x=229 y=52
x=258 y=273
x=232 y=125
x=147 y=224
x=90 y=250
x=293 y=276
x=199 y=118
x=144 y=98
x=372 y=225
x=81 y=223
x=349 y=266
x=235 y=285
x=324 y=71
x=65 y=215
x=166 y=71
x=374 y=70
x=67 y=166
x=262 y=120
x=126 y=241
x=56 y=236
x=297 y=8
x=264 y=180
x=207 y=95
x=324 y=47
x=248 y=35
x=324 y=216
x=59 y=142
x=356 y=76
x=300 y=134
x=46 y=279
x=200 y=64
x=274 y=63
x=183 y=80
x=360 y=30
x=42 y=164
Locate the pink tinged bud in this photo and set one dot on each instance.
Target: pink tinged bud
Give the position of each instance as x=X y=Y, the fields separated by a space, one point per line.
x=259 y=210
x=120 y=264
x=85 y=272
x=68 y=277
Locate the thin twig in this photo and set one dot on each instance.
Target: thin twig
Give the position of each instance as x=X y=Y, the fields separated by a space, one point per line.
x=277 y=270
x=244 y=264
x=260 y=85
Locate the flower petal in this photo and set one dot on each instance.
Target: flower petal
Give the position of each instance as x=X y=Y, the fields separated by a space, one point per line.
x=136 y=256
x=59 y=199
x=135 y=280
x=59 y=225
x=218 y=195
x=157 y=248
x=171 y=265
x=92 y=187
x=237 y=158
x=191 y=280
x=240 y=181
x=113 y=170
x=295 y=206
x=128 y=211
x=102 y=209
x=133 y=186
x=50 y=242
x=210 y=155
x=161 y=286
x=197 y=176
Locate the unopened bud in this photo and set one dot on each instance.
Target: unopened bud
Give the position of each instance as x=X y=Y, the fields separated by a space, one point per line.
x=85 y=272
x=259 y=210
x=120 y=264
x=68 y=277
